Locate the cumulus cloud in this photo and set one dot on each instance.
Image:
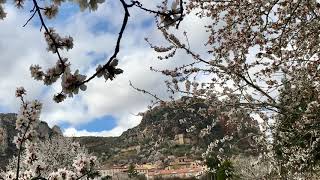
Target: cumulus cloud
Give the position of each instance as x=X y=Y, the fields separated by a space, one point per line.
x=77 y=133
x=25 y=46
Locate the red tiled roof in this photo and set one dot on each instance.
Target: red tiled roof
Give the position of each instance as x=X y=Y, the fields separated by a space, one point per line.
x=175 y=171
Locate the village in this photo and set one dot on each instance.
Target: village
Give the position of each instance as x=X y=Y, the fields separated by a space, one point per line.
x=181 y=167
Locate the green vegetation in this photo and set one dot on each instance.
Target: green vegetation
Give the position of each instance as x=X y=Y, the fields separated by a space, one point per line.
x=132 y=172
x=180 y=150
x=220 y=170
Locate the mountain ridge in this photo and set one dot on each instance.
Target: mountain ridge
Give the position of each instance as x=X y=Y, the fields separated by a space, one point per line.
x=162 y=133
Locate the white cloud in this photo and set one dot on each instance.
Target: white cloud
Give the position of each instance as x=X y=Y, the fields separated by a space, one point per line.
x=72 y=132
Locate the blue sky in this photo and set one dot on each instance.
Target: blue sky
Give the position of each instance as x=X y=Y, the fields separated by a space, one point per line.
x=97 y=124
x=105 y=108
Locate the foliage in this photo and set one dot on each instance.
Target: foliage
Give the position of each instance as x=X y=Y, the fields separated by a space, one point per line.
x=141 y=177
x=296 y=141
x=106 y=177
x=219 y=169
x=251 y=167
x=132 y=172
x=174 y=178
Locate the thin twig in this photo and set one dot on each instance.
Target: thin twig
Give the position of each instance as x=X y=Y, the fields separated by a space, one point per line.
x=146 y=92
x=34 y=12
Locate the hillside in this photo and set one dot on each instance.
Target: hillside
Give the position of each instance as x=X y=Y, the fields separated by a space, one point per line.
x=162 y=134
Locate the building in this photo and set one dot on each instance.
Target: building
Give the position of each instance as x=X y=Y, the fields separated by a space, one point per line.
x=181 y=167
x=117 y=170
x=113 y=170
x=181 y=173
x=181 y=139
x=180 y=163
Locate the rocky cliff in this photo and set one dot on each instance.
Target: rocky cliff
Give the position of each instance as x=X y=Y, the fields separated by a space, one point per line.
x=8 y=131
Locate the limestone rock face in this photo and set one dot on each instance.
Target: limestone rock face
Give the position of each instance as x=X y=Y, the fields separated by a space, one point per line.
x=7 y=133
x=56 y=130
x=3 y=140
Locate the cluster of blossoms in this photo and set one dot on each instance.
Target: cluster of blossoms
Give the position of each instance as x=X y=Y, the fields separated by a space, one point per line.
x=171 y=16
x=83 y=166
x=62 y=174
x=27 y=175
x=54 y=41
x=83 y=163
x=51 y=11
x=2 y=13
x=18 y=3
x=251 y=167
x=27 y=120
x=83 y=4
x=71 y=83
x=52 y=74
x=207 y=130
x=50 y=153
x=218 y=147
x=110 y=72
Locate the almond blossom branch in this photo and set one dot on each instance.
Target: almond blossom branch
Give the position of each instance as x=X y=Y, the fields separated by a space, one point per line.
x=139 y=5
x=172 y=39
x=166 y=17
x=49 y=33
x=124 y=24
x=38 y=178
x=23 y=139
x=117 y=48
x=72 y=82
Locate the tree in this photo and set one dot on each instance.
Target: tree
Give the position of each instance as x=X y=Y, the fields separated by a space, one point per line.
x=56 y=152
x=219 y=170
x=251 y=167
x=106 y=177
x=296 y=140
x=132 y=172
x=255 y=50
x=31 y=165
